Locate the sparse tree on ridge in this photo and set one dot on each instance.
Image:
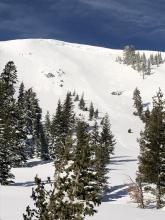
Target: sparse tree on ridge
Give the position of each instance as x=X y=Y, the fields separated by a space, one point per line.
x=129 y=55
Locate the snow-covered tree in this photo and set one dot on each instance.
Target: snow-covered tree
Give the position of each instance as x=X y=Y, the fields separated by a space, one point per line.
x=152 y=148
x=82 y=102
x=137 y=102
x=107 y=139
x=91 y=111
x=8 y=129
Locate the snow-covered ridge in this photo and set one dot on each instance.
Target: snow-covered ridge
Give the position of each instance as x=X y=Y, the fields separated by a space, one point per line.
x=53 y=42
x=59 y=43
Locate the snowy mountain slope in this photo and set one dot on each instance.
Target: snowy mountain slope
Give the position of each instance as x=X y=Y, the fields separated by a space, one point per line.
x=95 y=72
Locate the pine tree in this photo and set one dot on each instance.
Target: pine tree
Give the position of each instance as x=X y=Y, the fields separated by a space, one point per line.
x=129 y=55
x=74 y=194
x=99 y=157
x=146 y=116
x=8 y=79
x=160 y=58
x=33 y=115
x=67 y=116
x=63 y=201
x=96 y=114
x=152 y=59
x=107 y=139
x=21 y=95
x=85 y=175
x=157 y=60
x=152 y=145
x=47 y=130
x=144 y=65
x=44 y=151
x=56 y=131
x=137 y=102
x=19 y=140
x=62 y=125
x=148 y=68
x=76 y=98
x=41 y=197
x=138 y=62
x=91 y=111
x=82 y=103
x=5 y=154
x=21 y=127
x=29 y=120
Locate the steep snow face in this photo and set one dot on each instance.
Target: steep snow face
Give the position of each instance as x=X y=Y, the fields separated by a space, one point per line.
x=52 y=68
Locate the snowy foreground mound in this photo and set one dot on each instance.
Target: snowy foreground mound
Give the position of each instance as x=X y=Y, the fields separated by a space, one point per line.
x=52 y=68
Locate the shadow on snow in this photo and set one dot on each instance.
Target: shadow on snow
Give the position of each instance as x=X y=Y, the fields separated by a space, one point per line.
x=115 y=192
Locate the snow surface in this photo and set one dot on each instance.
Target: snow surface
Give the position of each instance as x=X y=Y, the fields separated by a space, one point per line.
x=94 y=71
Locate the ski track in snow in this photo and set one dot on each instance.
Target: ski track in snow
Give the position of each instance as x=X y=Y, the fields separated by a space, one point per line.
x=91 y=70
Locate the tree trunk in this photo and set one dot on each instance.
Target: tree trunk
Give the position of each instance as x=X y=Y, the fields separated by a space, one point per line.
x=141 y=198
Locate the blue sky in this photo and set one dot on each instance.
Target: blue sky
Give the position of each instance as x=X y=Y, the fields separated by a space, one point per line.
x=109 y=23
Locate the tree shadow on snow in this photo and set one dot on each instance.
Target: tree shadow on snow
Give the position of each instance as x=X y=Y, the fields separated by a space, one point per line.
x=115 y=192
x=24 y=184
x=27 y=183
x=36 y=163
x=121 y=159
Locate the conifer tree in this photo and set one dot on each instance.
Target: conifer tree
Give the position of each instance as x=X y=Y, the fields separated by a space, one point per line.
x=85 y=176
x=148 y=68
x=56 y=131
x=67 y=116
x=29 y=120
x=76 y=98
x=21 y=136
x=47 y=130
x=82 y=103
x=33 y=115
x=99 y=157
x=21 y=95
x=44 y=151
x=96 y=114
x=62 y=125
x=152 y=59
x=5 y=154
x=129 y=55
x=41 y=197
x=138 y=62
x=5 y=150
x=64 y=203
x=107 y=139
x=144 y=65
x=137 y=102
x=74 y=193
x=152 y=148
x=91 y=111
x=8 y=79
x=146 y=115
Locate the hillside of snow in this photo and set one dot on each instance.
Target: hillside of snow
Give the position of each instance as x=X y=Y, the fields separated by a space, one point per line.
x=52 y=68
